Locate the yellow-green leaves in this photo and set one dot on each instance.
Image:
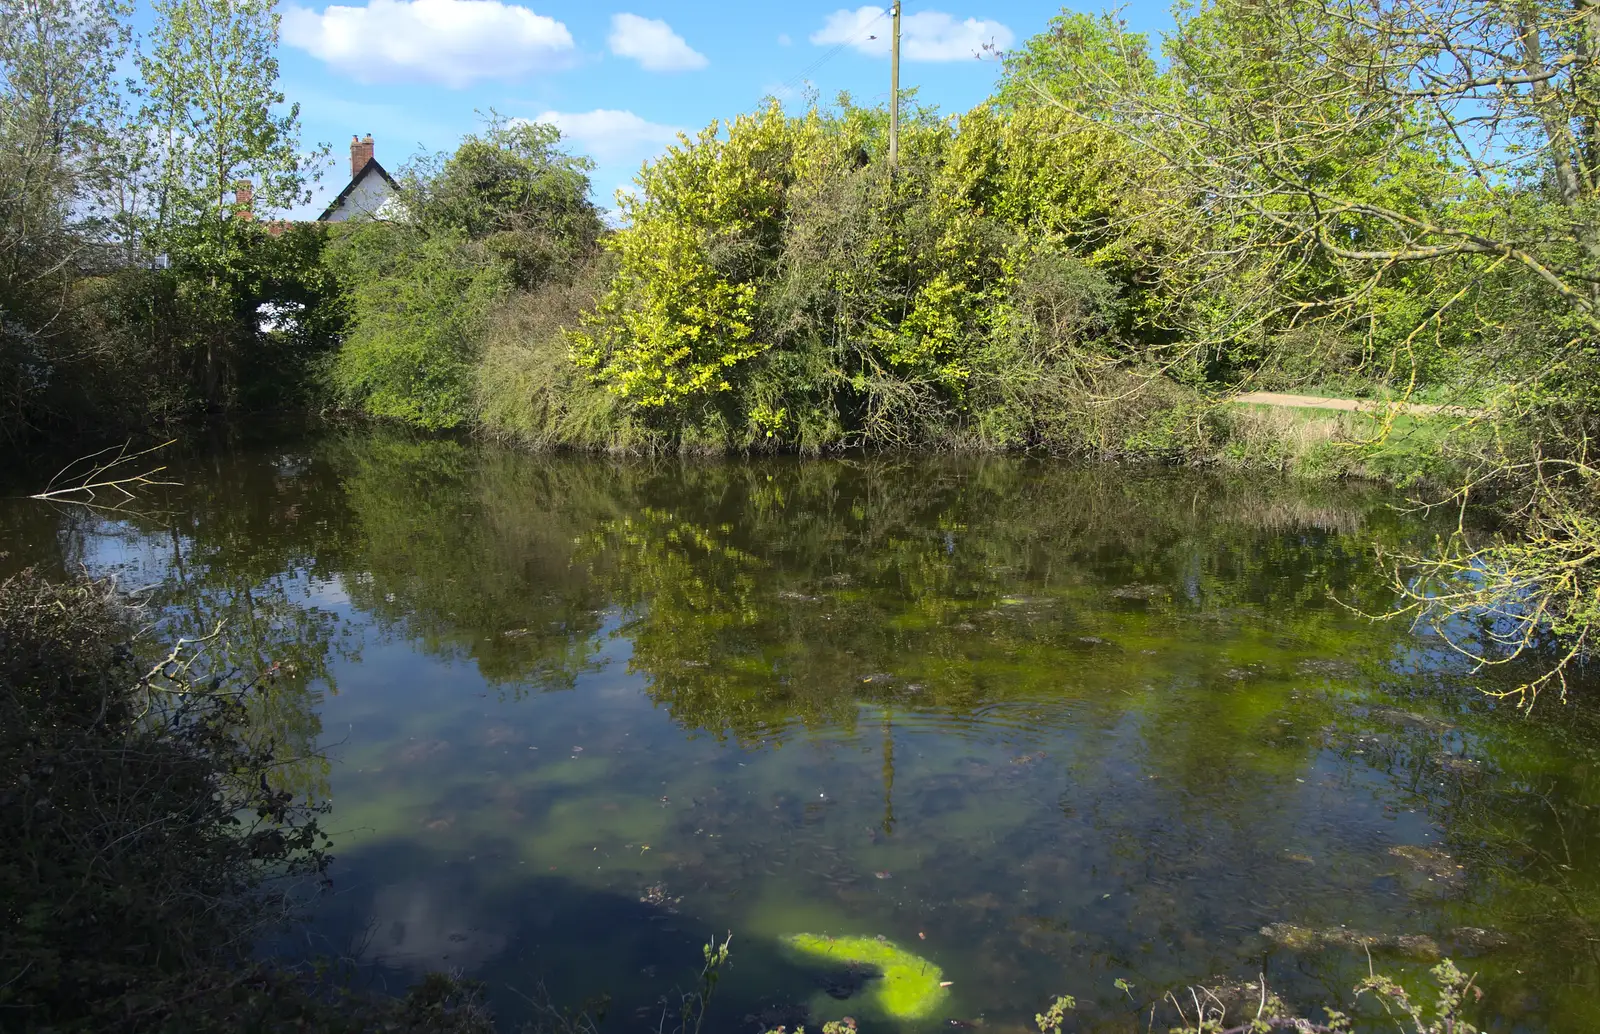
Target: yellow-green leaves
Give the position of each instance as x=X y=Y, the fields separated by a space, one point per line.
x=670 y=325
x=777 y=284
x=680 y=314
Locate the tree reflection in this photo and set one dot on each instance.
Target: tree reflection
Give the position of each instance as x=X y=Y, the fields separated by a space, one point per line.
x=1191 y=632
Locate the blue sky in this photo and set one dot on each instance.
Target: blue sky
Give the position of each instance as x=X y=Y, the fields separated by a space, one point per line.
x=620 y=77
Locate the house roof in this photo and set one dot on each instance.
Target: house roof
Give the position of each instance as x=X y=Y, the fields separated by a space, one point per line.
x=371 y=166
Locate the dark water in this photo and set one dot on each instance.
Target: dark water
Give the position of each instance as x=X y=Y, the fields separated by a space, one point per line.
x=1046 y=727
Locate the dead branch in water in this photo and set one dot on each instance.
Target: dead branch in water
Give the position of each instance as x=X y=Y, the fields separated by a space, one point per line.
x=80 y=480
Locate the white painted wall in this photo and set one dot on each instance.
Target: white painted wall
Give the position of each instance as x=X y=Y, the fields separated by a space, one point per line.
x=373 y=198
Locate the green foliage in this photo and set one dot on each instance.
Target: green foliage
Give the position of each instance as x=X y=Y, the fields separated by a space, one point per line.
x=1073 y=48
x=58 y=115
x=515 y=190
x=1441 y=1016
x=210 y=85
x=416 y=305
x=99 y=177
x=507 y=209
x=1052 y=1019
x=140 y=832
x=776 y=287
x=147 y=843
x=677 y=318
x=1336 y=210
x=692 y=1014
x=527 y=388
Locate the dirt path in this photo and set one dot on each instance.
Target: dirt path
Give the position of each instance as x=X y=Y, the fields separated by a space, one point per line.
x=1274 y=398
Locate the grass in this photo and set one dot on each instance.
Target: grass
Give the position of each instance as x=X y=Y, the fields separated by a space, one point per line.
x=1322 y=443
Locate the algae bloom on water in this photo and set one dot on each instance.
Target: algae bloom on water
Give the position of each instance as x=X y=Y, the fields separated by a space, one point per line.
x=905 y=987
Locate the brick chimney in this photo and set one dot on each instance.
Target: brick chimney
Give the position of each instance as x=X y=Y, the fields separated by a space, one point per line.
x=360 y=154
x=244 y=197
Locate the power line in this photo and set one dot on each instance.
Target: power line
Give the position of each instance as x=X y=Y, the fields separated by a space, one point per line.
x=831 y=54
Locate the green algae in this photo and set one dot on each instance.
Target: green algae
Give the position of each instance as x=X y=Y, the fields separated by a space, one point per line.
x=909 y=985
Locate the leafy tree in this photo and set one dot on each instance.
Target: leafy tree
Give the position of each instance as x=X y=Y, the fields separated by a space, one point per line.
x=1075 y=46
x=101 y=177
x=212 y=100
x=58 y=147
x=1418 y=179
x=416 y=305
x=676 y=319
x=514 y=189
x=213 y=108
x=776 y=287
x=507 y=209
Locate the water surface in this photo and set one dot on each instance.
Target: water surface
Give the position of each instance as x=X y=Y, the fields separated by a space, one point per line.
x=1047 y=726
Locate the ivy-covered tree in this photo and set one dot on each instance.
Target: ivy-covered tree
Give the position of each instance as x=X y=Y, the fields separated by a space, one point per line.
x=777 y=287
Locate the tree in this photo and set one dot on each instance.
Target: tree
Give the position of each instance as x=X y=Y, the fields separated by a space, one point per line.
x=416 y=304
x=776 y=287
x=1421 y=176
x=58 y=107
x=515 y=189
x=213 y=108
x=1073 y=47
x=509 y=208
x=212 y=101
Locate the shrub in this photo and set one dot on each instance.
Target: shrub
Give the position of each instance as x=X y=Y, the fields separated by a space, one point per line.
x=513 y=189
x=777 y=287
x=528 y=390
x=416 y=305
x=142 y=834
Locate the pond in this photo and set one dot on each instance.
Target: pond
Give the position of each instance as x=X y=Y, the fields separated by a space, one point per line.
x=1022 y=727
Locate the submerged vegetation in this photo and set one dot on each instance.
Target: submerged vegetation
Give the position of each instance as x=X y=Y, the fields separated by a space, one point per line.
x=896 y=985
x=804 y=614
x=766 y=602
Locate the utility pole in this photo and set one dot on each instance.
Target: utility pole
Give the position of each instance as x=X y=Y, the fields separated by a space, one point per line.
x=894 y=91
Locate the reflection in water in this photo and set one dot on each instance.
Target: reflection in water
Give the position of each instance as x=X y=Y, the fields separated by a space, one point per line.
x=431 y=926
x=1050 y=727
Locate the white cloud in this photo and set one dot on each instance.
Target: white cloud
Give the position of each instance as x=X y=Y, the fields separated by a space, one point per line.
x=451 y=42
x=608 y=135
x=927 y=36
x=783 y=39
x=653 y=44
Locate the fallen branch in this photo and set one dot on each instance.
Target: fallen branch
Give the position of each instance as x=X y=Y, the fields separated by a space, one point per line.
x=72 y=487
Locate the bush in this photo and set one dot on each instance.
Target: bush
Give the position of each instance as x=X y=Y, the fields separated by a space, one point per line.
x=135 y=346
x=778 y=288
x=507 y=209
x=527 y=389
x=416 y=305
x=127 y=863
x=513 y=189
